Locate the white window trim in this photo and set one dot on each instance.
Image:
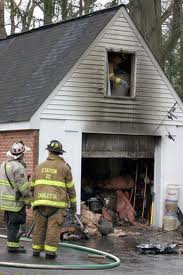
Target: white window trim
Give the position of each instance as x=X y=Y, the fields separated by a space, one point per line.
x=132 y=79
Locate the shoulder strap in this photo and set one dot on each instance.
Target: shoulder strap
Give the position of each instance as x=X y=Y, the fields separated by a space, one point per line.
x=68 y=166
x=8 y=177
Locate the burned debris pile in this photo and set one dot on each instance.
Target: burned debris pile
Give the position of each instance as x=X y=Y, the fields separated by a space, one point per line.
x=114 y=199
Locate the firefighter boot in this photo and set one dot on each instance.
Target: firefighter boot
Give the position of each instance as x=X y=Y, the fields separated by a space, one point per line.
x=50 y=256
x=36 y=253
x=16 y=249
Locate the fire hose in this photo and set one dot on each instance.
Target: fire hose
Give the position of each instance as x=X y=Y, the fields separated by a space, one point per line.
x=113 y=260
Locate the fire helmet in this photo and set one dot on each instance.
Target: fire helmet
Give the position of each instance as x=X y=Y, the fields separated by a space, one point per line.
x=17 y=150
x=56 y=147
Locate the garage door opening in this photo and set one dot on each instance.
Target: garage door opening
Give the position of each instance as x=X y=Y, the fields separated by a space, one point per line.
x=118 y=178
x=107 y=183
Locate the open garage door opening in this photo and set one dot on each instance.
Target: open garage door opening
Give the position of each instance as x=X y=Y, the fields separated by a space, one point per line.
x=108 y=182
x=118 y=178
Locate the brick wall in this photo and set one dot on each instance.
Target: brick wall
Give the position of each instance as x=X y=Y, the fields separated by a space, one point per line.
x=30 y=139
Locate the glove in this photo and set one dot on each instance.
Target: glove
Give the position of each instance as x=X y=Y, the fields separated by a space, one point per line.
x=124 y=84
x=73 y=210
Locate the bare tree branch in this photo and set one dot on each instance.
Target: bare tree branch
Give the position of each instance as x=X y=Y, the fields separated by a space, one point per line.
x=167 y=13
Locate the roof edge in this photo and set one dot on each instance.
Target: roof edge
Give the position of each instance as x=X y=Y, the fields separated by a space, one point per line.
x=117 y=7
x=71 y=70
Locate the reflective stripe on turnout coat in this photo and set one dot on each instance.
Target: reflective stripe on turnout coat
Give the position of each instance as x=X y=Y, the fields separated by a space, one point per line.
x=18 y=177
x=53 y=184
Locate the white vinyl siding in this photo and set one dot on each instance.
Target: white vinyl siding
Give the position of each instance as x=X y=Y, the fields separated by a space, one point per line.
x=82 y=95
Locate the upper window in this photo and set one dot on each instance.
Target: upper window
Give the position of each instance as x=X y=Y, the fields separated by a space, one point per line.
x=121 y=74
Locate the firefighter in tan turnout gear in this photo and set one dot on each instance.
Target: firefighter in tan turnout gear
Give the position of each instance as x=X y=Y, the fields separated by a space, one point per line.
x=53 y=191
x=15 y=195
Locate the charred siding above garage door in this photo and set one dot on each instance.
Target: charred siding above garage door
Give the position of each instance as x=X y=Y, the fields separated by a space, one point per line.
x=118 y=146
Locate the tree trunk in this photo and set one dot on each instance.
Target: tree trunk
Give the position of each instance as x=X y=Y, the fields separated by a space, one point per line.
x=175 y=31
x=64 y=7
x=48 y=11
x=181 y=58
x=147 y=16
x=3 y=33
x=12 y=16
x=80 y=7
x=88 y=6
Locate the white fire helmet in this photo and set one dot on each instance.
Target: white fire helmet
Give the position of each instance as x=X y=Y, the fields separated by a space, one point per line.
x=17 y=150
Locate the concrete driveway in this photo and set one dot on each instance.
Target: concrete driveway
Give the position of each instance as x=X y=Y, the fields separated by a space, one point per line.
x=125 y=248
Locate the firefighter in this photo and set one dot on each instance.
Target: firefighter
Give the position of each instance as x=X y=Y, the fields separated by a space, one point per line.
x=15 y=195
x=115 y=77
x=53 y=190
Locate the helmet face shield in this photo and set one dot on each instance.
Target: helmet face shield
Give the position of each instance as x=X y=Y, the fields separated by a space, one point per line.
x=56 y=147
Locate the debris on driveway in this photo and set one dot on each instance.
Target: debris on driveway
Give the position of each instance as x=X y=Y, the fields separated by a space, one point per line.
x=163 y=248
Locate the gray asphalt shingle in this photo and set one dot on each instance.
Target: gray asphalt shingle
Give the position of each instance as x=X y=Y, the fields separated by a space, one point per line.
x=33 y=63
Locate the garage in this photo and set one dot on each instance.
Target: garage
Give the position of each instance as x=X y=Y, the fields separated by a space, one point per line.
x=118 y=164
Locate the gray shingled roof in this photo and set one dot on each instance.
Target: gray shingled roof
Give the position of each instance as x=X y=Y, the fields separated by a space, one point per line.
x=33 y=63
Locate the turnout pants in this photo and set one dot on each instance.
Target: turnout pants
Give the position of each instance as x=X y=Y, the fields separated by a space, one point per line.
x=13 y=222
x=46 y=235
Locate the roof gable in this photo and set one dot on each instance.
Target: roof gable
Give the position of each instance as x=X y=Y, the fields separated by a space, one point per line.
x=81 y=95
x=32 y=64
